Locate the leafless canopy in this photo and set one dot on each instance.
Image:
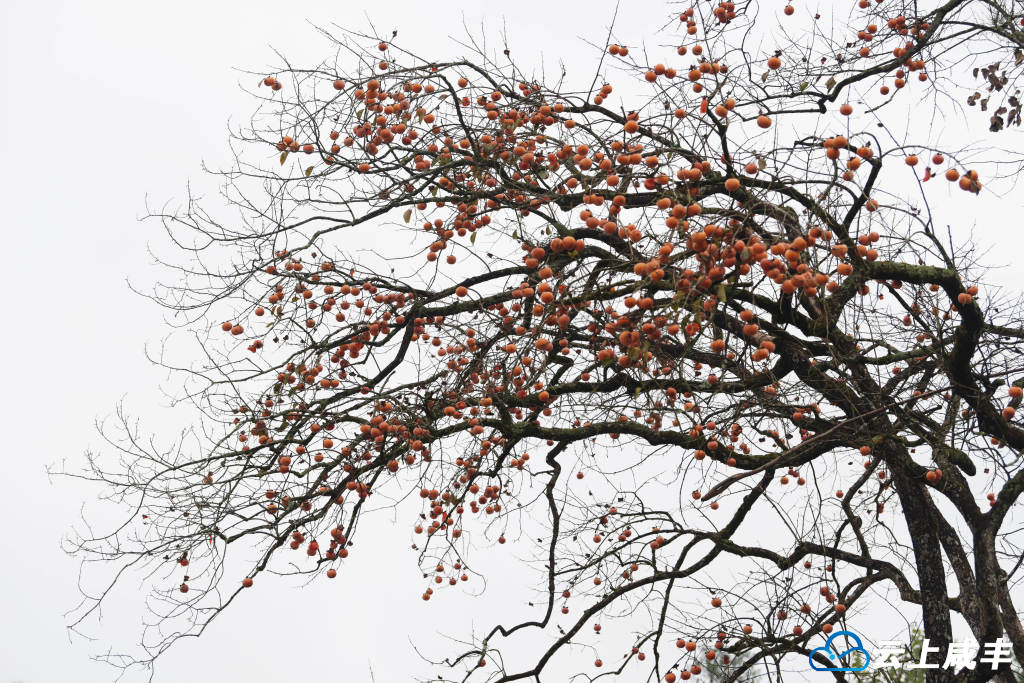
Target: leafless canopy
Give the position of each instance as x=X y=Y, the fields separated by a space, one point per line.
x=689 y=335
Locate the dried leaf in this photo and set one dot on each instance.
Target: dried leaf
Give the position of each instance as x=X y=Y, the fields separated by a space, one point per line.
x=284 y=155
x=407 y=216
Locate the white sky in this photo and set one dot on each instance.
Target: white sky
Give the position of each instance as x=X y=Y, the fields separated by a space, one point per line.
x=105 y=103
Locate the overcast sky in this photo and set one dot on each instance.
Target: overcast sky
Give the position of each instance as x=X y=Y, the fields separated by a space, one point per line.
x=104 y=105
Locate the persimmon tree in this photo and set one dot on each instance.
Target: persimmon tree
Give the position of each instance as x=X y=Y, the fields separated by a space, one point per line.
x=685 y=329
